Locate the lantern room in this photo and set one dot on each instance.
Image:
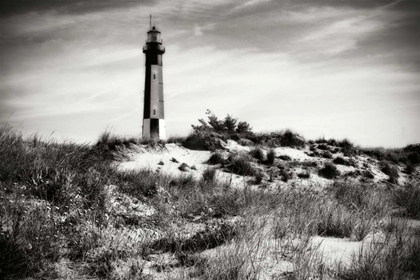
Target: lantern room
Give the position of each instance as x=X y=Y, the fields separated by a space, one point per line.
x=153 y=36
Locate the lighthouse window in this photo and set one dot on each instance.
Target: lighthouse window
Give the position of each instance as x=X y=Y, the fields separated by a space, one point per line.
x=154 y=76
x=154 y=112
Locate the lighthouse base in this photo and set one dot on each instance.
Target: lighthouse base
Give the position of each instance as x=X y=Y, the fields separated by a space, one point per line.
x=154 y=129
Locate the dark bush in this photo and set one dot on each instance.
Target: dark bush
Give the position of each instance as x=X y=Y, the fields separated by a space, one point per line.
x=291 y=139
x=414 y=158
x=271 y=156
x=285 y=176
x=13 y=260
x=230 y=123
x=241 y=165
x=304 y=175
x=323 y=147
x=410 y=169
x=216 y=158
x=391 y=171
x=209 y=175
x=258 y=178
x=183 y=167
x=243 y=127
x=340 y=160
x=326 y=154
x=257 y=153
x=329 y=171
x=368 y=174
x=204 y=140
x=347 y=147
x=284 y=157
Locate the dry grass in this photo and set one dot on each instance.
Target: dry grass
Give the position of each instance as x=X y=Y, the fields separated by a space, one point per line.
x=66 y=205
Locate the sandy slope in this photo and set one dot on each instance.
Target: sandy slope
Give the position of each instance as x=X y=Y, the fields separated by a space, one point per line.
x=167 y=159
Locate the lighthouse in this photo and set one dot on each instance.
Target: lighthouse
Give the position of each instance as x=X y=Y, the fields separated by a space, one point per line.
x=153 y=112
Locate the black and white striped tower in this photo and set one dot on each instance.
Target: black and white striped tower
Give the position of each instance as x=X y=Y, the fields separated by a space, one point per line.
x=153 y=113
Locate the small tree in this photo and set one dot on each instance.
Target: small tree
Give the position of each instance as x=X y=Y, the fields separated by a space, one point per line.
x=215 y=123
x=243 y=127
x=230 y=123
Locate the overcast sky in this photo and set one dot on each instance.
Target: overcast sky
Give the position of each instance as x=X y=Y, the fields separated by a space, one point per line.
x=339 y=69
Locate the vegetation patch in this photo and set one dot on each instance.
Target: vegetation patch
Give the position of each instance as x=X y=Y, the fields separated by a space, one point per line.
x=329 y=171
x=408 y=197
x=216 y=158
x=257 y=153
x=341 y=161
x=271 y=157
x=241 y=165
x=391 y=171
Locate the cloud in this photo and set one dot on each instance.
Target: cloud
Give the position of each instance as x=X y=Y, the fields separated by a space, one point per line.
x=315 y=68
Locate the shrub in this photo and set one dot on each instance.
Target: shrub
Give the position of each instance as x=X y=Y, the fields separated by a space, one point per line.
x=368 y=174
x=271 y=156
x=241 y=165
x=340 y=160
x=209 y=175
x=326 y=154
x=204 y=140
x=391 y=171
x=291 y=139
x=329 y=171
x=259 y=177
x=257 y=153
x=304 y=175
x=183 y=167
x=414 y=158
x=285 y=176
x=227 y=126
x=284 y=157
x=230 y=123
x=410 y=169
x=347 y=147
x=216 y=158
x=323 y=147
x=243 y=128
x=13 y=260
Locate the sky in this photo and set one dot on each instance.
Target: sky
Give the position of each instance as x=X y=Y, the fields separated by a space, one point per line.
x=335 y=69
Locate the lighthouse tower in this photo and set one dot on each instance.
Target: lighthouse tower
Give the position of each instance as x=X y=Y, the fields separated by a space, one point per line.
x=153 y=113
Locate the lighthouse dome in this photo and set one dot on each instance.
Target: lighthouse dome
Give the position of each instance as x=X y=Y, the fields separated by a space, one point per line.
x=153 y=36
